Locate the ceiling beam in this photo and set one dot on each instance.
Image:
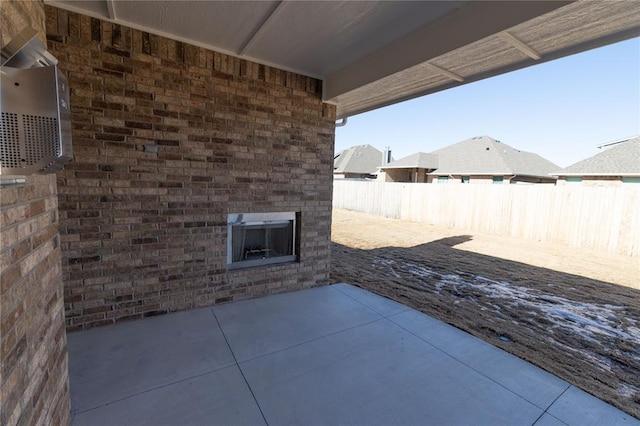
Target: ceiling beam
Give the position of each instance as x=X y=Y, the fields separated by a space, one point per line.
x=111 y=8
x=446 y=73
x=470 y=23
x=521 y=46
x=261 y=28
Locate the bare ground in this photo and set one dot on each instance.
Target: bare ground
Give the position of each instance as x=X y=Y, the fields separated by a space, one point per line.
x=572 y=312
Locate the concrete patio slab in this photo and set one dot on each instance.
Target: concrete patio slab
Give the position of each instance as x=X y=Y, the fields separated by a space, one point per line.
x=260 y=326
x=383 y=306
x=578 y=407
x=110 y=363
x=522 y=378
x=549 y=420
x=329 y=355
x=378 y=374
x=221 y=397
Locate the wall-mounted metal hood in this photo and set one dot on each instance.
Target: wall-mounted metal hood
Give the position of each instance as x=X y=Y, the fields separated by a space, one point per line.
x=35 y=125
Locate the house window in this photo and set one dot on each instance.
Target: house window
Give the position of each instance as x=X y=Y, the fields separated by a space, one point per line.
x=258 y=239
x=574 y=179
x=465 y=179
x=498 y=180
x=443 y=179
x=631 y=180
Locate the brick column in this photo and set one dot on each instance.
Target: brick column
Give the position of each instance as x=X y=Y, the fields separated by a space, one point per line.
x=33 y=347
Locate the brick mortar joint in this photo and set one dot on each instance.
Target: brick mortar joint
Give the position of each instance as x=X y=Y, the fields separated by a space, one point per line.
x=4 y=227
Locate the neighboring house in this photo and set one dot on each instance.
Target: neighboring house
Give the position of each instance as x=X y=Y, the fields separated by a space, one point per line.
x=617 y=164
x=480 y=159
x=413 y=168
x=357 y=162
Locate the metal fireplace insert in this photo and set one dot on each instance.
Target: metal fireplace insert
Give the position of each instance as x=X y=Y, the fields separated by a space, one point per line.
x=258 y=239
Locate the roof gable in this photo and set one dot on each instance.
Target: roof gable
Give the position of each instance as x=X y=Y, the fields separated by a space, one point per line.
x=623 y=158
x=358 y=159
x=483 y=155
x=419 y=160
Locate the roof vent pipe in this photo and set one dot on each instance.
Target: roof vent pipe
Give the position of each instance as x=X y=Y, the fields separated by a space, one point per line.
x=386 y=156
x=341 y=123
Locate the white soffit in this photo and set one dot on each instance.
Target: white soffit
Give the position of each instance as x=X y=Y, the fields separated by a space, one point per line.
x=321 y=37
x=374 y=53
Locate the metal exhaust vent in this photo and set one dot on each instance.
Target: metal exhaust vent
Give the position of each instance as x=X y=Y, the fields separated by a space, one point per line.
x=35 y=120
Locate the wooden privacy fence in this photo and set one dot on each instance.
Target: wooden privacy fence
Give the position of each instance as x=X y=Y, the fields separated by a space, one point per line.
x=599 y=218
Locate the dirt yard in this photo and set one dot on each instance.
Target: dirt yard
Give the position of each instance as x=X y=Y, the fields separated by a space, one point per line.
x=572 y=312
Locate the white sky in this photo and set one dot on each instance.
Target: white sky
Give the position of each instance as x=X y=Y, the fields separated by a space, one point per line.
x=560 y=110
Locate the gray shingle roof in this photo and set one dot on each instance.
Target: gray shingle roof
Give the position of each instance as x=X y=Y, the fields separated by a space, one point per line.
x=420 y=160
x=622 y=159
x=482 y=155
x=357 y=159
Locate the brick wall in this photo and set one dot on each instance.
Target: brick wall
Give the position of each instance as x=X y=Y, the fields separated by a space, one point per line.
x=33 y=348
x=168 y=139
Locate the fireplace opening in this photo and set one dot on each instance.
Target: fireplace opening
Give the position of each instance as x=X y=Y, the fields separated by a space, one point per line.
x=257 y=239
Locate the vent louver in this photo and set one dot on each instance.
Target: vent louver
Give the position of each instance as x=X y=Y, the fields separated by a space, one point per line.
x=9 y=140
x=41 y=138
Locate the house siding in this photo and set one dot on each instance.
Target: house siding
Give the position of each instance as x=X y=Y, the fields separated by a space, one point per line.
x=169 y=138
x=475 y=179
x=488 y=179
x=612 y=181
x=530 y=179
x=34 y=385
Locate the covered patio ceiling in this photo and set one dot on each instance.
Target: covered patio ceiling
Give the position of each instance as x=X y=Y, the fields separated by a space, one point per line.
x=371 y=54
